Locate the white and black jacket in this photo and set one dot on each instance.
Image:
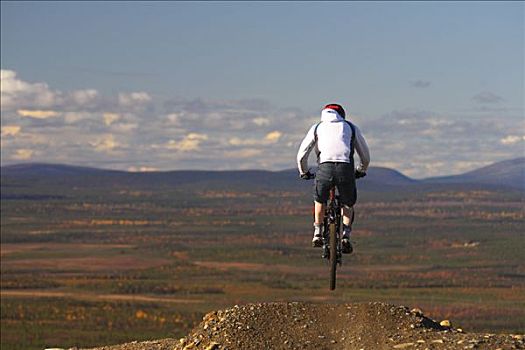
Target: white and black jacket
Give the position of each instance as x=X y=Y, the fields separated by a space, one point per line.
x=331 y=139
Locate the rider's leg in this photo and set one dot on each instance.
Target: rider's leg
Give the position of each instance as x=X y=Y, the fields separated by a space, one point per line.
x=348 y=219
x=318 y=223
x=318 y=213
x=347 y=195
x=323 y=183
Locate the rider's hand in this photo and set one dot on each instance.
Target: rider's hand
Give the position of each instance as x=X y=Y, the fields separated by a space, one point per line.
x=359 y=174
x=307 y=176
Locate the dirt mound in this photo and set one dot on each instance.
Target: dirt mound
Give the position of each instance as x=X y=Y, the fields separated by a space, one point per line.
x=369 y=326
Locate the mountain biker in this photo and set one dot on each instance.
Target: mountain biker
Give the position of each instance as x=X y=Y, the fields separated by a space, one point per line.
x=334 y=140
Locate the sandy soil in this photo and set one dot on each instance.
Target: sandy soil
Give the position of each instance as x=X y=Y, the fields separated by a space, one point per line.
x=364 y=326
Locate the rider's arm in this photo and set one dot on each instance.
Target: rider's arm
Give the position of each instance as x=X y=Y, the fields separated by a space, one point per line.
x=362 y=150
x=304 y=151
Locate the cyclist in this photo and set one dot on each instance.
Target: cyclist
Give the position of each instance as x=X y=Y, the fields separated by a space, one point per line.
x=334 y=140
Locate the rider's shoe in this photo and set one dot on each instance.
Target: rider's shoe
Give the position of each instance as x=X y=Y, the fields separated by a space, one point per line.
x=345 y=241
x=317 y=241
x=346 y=245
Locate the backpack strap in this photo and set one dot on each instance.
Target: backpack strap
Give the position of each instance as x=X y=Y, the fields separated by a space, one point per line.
x=315 y=131
x=352 y=143
x=315 y=138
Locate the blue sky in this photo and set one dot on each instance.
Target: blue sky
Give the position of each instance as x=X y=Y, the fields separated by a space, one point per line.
x=235 y=85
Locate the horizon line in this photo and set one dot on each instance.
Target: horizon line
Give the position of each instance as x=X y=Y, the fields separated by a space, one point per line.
x=143 y=169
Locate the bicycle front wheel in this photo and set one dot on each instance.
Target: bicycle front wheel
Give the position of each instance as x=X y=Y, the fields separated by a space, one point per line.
x=333 y=255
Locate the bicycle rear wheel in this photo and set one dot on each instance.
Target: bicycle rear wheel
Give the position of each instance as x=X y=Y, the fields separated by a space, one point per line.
x=333 y=255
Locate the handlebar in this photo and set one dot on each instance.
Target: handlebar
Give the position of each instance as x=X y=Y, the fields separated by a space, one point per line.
x=359 y=174
x=308 y=176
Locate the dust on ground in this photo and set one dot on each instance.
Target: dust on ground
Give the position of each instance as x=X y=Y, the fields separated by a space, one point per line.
x=294 y=325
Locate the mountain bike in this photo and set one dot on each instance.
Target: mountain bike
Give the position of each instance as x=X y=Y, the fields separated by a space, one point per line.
x=332 y=238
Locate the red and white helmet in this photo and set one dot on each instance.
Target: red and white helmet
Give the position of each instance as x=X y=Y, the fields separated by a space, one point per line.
x=336 y=107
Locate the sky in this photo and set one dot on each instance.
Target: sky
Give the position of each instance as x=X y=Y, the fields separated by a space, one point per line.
x=437 y=88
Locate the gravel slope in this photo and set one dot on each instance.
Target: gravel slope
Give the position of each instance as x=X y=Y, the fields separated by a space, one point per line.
x=368 y=326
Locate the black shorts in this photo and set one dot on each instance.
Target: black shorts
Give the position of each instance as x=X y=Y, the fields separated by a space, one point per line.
x=342 y=175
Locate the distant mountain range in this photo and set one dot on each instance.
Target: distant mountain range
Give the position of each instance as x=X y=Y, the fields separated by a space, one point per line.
x=508 y=173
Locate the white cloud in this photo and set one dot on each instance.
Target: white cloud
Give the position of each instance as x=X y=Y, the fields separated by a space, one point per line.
x=387 y=164
x=232 y=116
x=124 y=127
x=243 y=153
x=133 y=99
x=237 y=141
x=512 y=139
x=434 y=167
x=405 y=122
x=190 y=142
x=487 y=97
x=174 y=118
x=142 y=169
x=269 y=138
x=16 y=93
x=273 y=136
x=134 y=128
x=438 y=122
x=10 y=130
x=110 y=118
x=23 y=154
x=74 y=117
x=418 y=140
x=260 y=121
x=463 y=166
x=37 y=114
x=106 y=143
x=84 y=97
